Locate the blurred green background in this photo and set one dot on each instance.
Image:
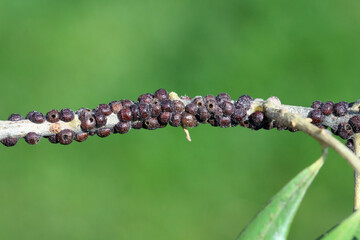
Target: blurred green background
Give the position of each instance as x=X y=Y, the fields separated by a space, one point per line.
x=155 y=184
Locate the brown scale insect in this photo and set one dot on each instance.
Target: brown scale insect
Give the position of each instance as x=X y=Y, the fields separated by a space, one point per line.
x=53 y=116
x=53 y=139
x=245 y=101
x=144 y=110
x=122 y=127
x=155 y=109
x=103 y=132
x=15 y=117
x=104 y=109
x=316 y=116
x=167 y=105
x=191 y=108
x=228 y=108
x=164 y=118
x=115 y=106
x=9 y=141
x=340 y=109
x=100 y=119
x=151 y=123
x=32 y=138
x=126 y=103
x=146 y=98
x=198 y=102
x=221 y=97
x=88 y=121
x=66 y=136
x=67 y=115
x=188 y=120
x=37 y=117
x=125 y=115
x=211 y=105
x=81 y=137
x=179 y=106
x=161 y=94
x=175 y=120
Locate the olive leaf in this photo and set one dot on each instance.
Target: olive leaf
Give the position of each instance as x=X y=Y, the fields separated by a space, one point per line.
x=349 y=229
x=274 y=220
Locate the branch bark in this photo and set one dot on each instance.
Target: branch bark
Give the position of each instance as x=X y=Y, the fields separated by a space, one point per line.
x=323 y=136
x=356 y=140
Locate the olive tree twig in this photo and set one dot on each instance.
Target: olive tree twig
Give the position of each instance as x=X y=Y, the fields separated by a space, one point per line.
x=295 y=117
x=356 y=140
x=284 y=116
x=21 y=128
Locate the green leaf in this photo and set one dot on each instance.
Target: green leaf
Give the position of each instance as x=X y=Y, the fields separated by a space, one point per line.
x=349 y=229
x=273 y=221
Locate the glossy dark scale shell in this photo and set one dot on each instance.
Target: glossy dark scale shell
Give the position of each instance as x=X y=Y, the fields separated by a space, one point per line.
x=53 y=116
x=66 y=136
x=32 y=138
x=9 y=141
x=340 y=109
x=122 y=127
x=15 y=117
x=67 y=115
x=244 y=101
x=316 y=116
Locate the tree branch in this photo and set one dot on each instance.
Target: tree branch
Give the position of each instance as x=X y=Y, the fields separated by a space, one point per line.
x=21 y=128
x=324 y=137
x=356 y=140
x=294 y=117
